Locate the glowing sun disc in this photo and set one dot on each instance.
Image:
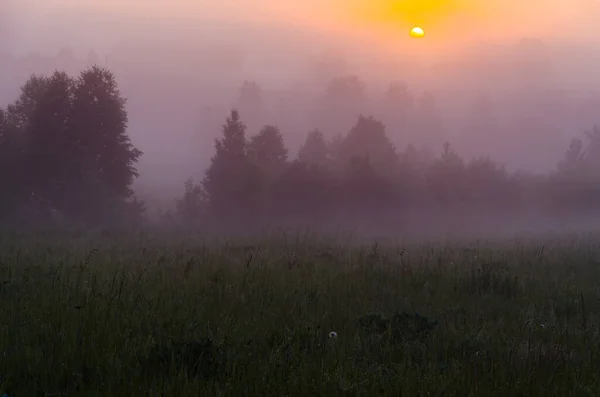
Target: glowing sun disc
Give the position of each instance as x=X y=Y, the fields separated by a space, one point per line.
x=417 y=32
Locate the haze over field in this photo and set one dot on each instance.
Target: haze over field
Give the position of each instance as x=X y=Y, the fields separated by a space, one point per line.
x=532 y=64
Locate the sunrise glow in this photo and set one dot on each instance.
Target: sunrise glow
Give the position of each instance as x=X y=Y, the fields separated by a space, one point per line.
x=458 y=22
x=417 y=32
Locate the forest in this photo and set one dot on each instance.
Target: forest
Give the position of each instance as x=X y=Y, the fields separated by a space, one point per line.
x=67 y=161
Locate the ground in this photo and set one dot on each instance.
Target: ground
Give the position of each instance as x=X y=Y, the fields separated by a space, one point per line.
x=150 y=315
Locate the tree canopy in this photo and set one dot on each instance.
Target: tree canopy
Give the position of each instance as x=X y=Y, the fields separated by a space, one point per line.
x=65 y=150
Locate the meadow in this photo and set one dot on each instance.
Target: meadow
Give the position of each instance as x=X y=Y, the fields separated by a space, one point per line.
x=298 y=315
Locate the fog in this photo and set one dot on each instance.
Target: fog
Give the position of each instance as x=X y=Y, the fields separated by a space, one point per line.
x=526 y=71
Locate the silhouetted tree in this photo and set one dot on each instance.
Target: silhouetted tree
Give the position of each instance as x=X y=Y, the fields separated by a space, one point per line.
x=107 y=165
x=315 y=150
x=398 y=94
x=413 y=167
x=304 y=194
x=347 y=89
x=398 y=109
x=267 y=158
x=267 y=151
x=446 y=179
x=226 y=181
x=11 y=163
x=335 y=146
x=399 y=102
x=250 y=96
x=577 y=180
x=487 y=185
x=329 y=64
x=366 y=194
x=573 y=163
x=368 y=139
x=191 y=208
x=71 y=154
x=40 y=120
x=345 y=98
x=592 y=151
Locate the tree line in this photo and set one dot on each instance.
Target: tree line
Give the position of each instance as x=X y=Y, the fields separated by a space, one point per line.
x=361 y=180
x=66 y=158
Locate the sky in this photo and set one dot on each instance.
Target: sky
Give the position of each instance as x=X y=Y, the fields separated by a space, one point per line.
x=448 y=23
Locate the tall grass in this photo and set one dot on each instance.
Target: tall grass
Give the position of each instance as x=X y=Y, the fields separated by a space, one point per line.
x=149 y=316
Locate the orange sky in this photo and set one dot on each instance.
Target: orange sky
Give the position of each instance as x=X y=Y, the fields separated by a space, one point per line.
x=455 y=19
x=534 y=13
x=449 y=23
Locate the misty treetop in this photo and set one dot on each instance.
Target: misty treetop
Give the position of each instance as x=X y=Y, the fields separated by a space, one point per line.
x=65 y=152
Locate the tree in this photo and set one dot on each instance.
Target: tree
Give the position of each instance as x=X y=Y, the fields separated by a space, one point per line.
x=366 y=195
x=361 y=185
x=22 y=110
x=398 y=100
x=335 y=146
x=487 y=184
x=574 y=161
x=226 y=180
x=267 y=151
x=250 y=96
x=108 y=157
x=398 y=109
x=345 y=98
x=190 y=209
x=348 y=89
x=446 y=178
x=577 y=180
x=368 y=164
x=11 y=160
x=74 y=155
x=327 y=64
x=267 y=157
x=304 y=194
x=412 y=173
x=39 y=119
x=592 y=151
x=368 y=139
x=315 y=150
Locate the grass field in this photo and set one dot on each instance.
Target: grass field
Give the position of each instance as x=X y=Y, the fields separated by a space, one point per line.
x=149 y=316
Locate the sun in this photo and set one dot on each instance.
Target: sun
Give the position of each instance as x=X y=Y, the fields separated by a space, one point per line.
x=417 y=32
